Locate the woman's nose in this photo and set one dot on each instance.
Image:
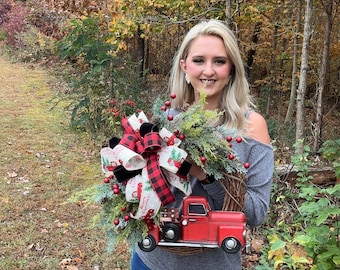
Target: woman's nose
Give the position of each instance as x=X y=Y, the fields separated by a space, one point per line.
x=208 y=69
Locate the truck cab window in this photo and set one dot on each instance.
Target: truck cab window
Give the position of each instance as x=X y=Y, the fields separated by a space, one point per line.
x=197 y=209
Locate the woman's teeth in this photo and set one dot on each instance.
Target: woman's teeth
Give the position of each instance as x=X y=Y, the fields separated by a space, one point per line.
x=207 y=82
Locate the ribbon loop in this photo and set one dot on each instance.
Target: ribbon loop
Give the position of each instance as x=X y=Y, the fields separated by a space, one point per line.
x=129 y=141
x=152 y=142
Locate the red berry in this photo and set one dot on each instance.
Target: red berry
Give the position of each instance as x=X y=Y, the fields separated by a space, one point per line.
x=106 y=180
x=115 y=186
x=116 y=191
x=176 y=132
x=238 y=139
x=167 y=103
x=123 y=208
x=110 y=168
x=126 y=217
x=116 y=222
x=231 y=156
x=182 y=137
x=163 y=108
x=246 y=165
x=170 y=117
x=229 y=138
x=149 y=221
x=173 y=96
x=203 y=160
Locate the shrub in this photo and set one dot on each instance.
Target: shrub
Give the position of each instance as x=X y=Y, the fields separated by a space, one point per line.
x=49 y=22
x=103 y=78
x=15 y=23
x=35 y=46
x=5 y=8
x=331 y=151
x=303 y=233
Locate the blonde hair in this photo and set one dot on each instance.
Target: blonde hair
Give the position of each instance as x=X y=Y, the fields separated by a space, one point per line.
x=236 y=100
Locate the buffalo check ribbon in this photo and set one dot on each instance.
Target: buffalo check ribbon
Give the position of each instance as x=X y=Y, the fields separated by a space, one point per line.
x=147 y=142
x=147 y=161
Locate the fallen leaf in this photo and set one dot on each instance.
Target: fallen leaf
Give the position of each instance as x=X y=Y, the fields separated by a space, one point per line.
x=12 y=174
x=70 y=263
x=257 y=244
x=44 y=231
x=253 y=258
x=5 y=199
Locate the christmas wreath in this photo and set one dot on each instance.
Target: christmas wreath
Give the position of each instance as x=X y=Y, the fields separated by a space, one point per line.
x=140 y=167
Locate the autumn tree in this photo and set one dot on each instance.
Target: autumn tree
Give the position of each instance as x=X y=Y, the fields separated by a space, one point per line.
x=296 y=26
x=300 y=100
x=323 y=73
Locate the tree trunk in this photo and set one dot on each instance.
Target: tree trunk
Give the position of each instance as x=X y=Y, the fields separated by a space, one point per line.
x=228 y=13
x=300 y=99
x=322 y=78
x=272 y=68
x=140 y=53
x=251 y=53
x=292 y=97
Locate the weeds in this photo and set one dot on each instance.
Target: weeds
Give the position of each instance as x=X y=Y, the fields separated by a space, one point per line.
x=308 y=238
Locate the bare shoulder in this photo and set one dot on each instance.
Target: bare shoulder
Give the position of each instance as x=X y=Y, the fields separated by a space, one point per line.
x=257 y=127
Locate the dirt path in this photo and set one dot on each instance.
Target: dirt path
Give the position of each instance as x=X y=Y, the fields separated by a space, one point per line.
x=42 y=163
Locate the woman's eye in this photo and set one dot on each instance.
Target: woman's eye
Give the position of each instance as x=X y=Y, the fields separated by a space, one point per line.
x=221 y=61
x=198 y=60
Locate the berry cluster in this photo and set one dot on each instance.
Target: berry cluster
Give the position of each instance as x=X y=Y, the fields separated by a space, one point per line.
x=167 y=104
x=126 y=216
x=231 y=156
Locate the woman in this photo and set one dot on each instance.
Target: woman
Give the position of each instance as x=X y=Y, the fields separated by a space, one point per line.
x=209 y=60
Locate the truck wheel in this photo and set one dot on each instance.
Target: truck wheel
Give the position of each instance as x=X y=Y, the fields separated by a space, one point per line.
x=148 y=243
x=171 y=232
x=231 y=245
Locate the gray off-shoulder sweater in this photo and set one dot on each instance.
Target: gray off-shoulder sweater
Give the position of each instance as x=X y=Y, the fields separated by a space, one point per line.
x=261 y=159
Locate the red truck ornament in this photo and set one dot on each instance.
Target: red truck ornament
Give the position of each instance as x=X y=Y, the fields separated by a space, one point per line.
x=197 y=226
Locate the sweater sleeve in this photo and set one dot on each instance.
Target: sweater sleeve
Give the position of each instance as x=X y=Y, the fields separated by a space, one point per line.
x=261 y=159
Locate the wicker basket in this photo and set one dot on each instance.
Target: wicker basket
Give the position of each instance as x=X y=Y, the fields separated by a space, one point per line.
x=235 y=188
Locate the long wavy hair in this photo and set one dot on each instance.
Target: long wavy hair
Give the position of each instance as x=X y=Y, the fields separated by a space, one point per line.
x=236 y=99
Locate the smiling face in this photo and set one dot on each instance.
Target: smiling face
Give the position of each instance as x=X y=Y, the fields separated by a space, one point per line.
x=208 y=67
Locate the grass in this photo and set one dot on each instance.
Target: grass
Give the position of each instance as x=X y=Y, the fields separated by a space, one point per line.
x=42 y=163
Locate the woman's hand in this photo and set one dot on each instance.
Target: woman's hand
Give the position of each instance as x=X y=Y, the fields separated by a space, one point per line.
x=196 y=171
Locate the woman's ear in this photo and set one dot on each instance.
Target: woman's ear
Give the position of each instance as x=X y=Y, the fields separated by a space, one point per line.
x=183 y=65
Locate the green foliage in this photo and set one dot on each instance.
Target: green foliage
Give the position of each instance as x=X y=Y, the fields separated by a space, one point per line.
x=35 y=46
x=331 y=151
x=204 y=139
x=103 y=77
x=309 y=239
x=111 y=209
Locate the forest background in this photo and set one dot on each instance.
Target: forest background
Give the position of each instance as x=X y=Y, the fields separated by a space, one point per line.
x=115 y=56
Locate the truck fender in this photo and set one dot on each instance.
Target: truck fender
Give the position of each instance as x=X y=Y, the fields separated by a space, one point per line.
x=236 y=231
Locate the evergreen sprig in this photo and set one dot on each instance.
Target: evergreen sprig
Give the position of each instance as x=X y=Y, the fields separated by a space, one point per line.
x=204 y=139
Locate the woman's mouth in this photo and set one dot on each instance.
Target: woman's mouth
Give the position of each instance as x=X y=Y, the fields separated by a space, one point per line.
x=207 y=82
